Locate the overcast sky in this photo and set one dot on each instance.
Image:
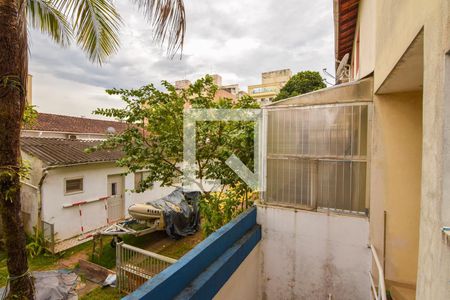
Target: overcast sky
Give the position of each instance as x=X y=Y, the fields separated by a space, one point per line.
x=237 y=39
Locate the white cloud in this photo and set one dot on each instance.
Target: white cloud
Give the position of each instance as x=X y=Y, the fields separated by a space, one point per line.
x=238 y=39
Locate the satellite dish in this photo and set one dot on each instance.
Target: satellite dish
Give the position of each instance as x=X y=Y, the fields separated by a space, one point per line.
x=110 y=130
x=342 y=66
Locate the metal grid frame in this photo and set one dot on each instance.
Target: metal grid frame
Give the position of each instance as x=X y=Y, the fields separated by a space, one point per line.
x=304 y=145
x=48 y=231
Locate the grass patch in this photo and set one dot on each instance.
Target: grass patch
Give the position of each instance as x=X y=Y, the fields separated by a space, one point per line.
x=43 y=262
x=108 y=293
x=176 y=250
x=81 y=247
x=108 y=257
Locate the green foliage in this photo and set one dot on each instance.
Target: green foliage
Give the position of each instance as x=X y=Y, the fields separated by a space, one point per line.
x=95 y=24
x=11 y=174
x=217 y=209
x=301 y=83
x=153 y=139
x=29 y=115
x=36 y=244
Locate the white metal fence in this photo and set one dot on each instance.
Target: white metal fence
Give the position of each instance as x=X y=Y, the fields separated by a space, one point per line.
x=134 y=266
x=48 y=232
x=378 y=292
x=317 y=156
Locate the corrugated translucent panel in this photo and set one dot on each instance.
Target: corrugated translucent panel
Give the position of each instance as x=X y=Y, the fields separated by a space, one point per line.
x=341 y=185
x=316 y=156
x=335 y=131
x=288 y=181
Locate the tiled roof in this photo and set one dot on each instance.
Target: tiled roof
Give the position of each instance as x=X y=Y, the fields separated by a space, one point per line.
x=56 y=152
x=347 y=15
x=60 y=123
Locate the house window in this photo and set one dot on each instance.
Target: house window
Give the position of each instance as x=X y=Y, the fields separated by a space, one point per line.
x=138 y=178
x=317 y=157
x=113 y=188
x=73 y=185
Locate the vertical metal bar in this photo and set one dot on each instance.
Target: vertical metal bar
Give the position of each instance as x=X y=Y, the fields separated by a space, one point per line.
x=336 y=164
x=359 y=130
x=118 y=264
x=52 y=237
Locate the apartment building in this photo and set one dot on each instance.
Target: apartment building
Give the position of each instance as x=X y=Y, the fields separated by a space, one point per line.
x=270 y=86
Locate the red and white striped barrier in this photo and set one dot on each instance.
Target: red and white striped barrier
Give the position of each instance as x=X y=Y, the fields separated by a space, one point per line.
x=82 y=202
x=79 y=204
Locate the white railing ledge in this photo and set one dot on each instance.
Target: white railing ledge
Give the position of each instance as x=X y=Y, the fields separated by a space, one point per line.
x=379 y=293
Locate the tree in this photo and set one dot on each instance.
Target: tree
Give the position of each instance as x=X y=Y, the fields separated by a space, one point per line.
x=153 y=141
x=301 y=83
x=94 y=25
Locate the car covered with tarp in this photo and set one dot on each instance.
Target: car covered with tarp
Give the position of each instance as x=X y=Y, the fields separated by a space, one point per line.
x=177 y=214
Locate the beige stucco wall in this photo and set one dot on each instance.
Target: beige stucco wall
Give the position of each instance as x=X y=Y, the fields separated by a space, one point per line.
x=366 y=26
x=396 y=184
x=433 y=280
x=398 y=23
x=244 y=283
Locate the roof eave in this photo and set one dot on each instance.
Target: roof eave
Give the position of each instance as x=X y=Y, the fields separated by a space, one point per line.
x=55 y=166
x=345 y=22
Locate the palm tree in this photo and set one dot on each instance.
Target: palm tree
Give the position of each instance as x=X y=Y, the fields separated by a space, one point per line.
x=94 y=26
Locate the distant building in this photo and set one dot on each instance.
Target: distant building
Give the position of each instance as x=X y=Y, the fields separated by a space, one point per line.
x=29 y=89
x=272 y=82
x=230 y=91
x=231 y=88
x=182 y=84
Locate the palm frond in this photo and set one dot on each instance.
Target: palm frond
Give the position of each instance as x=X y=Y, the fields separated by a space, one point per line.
x=168 y=18
x=96 y=25
x=44 y=15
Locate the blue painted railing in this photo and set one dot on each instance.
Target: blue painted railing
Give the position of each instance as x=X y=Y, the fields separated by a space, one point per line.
x=204 y=270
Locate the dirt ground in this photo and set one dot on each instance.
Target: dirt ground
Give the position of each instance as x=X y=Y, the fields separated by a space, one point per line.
x=161 y=243
x=72 y=261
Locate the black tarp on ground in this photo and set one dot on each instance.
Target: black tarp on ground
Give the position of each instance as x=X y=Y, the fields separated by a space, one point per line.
x=181 y=212
x=56 y=284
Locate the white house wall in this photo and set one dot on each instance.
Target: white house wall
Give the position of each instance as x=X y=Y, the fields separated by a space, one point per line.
x=67 y=221
x=29 y=195
x=311 y=255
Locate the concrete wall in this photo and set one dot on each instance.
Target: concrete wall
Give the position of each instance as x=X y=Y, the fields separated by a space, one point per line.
x=398 y=23
x=67 y=220
x=245 y=281
x=396 y=185
x=309 y=255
